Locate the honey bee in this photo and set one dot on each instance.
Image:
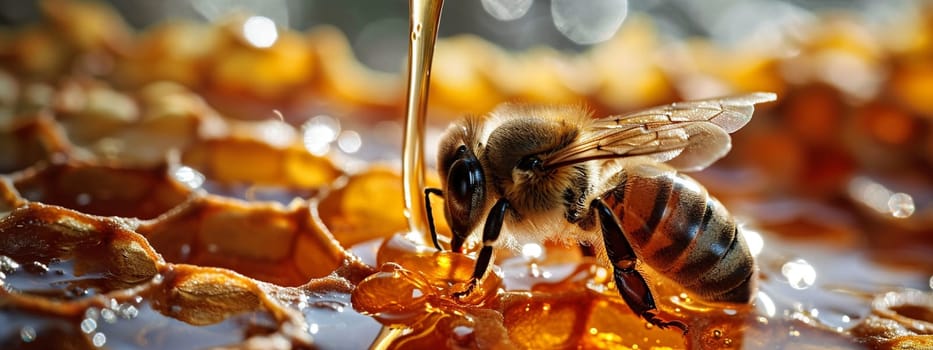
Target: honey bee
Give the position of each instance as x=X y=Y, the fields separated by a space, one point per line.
x=554 y=172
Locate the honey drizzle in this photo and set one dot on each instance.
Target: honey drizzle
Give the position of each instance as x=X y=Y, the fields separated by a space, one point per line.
x=387 y=337
x=424 y=17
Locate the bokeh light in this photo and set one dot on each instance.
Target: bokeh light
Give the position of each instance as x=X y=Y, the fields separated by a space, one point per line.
x=260 y=31
x=589 y=22
x=507 y=10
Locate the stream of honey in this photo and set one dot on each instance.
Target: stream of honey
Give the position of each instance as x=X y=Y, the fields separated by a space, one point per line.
x=190 y=187
x=425 y=17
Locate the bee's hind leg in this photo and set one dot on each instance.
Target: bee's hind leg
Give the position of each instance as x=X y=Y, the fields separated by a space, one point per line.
x=632 y=286
x=490 y=234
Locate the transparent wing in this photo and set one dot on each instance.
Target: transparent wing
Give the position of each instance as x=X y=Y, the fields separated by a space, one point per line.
x=687 y=135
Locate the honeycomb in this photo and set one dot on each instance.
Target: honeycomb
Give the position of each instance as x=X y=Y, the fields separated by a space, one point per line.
x=168 y=189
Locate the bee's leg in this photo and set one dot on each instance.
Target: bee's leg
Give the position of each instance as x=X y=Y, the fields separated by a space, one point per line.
x=490 y=234
x=427 y=206
x=629 y=281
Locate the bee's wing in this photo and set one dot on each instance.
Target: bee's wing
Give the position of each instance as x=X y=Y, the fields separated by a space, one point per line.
x=687 y=135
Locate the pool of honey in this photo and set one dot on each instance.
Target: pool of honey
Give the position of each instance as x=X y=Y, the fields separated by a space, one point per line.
x=153 y=199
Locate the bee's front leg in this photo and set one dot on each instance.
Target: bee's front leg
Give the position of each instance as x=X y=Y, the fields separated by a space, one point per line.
x=490 y=234
x=430 y=213
x=629 y=281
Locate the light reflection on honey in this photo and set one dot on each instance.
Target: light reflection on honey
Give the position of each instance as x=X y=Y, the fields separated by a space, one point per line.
x=213 y=185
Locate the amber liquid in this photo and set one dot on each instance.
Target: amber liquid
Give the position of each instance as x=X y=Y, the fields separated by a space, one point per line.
x=424 y=17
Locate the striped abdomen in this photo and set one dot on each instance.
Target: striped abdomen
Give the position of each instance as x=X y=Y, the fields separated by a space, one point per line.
x=681 y=232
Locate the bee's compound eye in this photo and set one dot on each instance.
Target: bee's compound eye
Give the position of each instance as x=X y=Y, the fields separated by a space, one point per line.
x=463 y=181
x=464 y=192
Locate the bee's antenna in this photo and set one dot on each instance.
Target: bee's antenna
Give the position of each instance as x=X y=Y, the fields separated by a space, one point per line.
x=427 y=206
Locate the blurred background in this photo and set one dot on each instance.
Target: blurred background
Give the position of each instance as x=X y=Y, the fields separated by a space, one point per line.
x=378 y=30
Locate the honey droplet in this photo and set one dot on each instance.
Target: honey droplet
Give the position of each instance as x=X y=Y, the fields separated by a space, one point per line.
x=901 y=205
x=464 y=335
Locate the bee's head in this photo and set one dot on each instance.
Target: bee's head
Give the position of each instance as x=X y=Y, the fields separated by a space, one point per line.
x=462 y=179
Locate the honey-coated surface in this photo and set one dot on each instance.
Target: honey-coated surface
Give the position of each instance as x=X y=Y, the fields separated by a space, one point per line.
x=168 y=189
